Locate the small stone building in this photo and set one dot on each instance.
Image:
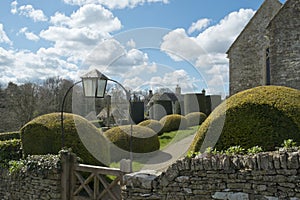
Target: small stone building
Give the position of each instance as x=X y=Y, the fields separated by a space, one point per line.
x=267 y=52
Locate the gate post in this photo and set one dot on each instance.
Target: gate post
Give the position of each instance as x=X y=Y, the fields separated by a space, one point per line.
x=67 y=177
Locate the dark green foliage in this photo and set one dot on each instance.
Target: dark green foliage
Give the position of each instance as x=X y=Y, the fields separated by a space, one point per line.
x=43 y=136
x=98 y=123
x=195 y=118
x=9 y=150
x=144 y=139
x=173 y=122
x=38 y=164
x=263 y=116
x=9 y=135
x=155 y=125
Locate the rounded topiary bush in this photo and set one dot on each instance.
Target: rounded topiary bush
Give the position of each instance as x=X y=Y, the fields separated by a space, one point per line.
x=153 y=124
x=173 y=122
x=144 y=139
x=43 y=135
x=264 y=116
x=195 y=118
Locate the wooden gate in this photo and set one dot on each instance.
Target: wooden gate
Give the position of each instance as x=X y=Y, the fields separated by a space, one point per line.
x=83 y=182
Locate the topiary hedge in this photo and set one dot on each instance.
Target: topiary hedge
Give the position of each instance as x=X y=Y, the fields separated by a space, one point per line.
x=144 y=139
x=263 y=116
x=173 y=122
x=195 y=118
x=10 y=150
x=10 y=135
x=155 y=125
x=43 y=136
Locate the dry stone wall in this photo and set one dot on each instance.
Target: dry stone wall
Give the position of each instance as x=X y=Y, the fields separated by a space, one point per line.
x=263 y=176
x=37 y=180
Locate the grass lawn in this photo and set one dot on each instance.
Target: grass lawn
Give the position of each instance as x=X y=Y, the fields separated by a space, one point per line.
x=165 y=140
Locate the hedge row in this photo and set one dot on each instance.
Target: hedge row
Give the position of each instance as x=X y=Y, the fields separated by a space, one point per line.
x=9 y=135
x=10 y=150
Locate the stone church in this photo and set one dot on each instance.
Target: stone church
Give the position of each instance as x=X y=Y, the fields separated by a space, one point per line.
x=267 y=52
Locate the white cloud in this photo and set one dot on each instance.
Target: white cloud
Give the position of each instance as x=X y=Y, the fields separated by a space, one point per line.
x=76 y=35
x=3 y=36
x=112 y=58
x=114 y=4
x=219 y=37
x=180 y=47
x=14 y=8
x=28 y=11
x=23 y=66
x=29 y=35
x=199 y=25
x=207 y=51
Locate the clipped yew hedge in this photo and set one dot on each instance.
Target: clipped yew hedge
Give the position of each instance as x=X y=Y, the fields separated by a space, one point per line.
x=155 y=125
x=195 y=118
x=264 y=116
x=9 y=135
x=173 y=122
x=144 y=139
x=43 y=136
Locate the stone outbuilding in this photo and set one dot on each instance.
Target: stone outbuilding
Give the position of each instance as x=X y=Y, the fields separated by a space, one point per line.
x=267 y=52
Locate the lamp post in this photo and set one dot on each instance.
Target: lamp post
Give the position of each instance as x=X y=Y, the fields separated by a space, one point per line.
x=94 y=86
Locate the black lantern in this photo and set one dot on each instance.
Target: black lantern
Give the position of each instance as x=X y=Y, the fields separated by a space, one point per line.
x=94 y=84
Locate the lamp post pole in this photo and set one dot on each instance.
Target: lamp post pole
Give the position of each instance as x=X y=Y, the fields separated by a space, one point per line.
x=94 y=85
x=62 y=114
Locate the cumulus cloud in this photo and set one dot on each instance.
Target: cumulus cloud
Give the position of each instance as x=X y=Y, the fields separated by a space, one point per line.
x=23 y=66
x=113 y=58
x=179 y=46
x=219 y=37
x=207 y=51
x=114 y=4
x=199 y=25
x=76 y=35
x=3 y=36
x=28 y=11
x=29 y=35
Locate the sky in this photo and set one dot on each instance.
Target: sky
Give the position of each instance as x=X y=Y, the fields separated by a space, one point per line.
x=143 y=44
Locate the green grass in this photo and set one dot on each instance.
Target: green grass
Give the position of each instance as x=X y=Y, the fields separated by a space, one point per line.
x=165 y=140
x=175 y=136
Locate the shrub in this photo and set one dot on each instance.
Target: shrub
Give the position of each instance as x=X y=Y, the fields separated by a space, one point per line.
x=263 y=116
x=10 y=135
x=153 y=124
x=10 y=150
x=144 y=139
x=173 y=122
x=195 y=118
x=43 y=136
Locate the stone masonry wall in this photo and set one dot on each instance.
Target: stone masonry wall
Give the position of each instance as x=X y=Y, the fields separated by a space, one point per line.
x=37 y=179
x=247 y=55
x=269 y=175
x=284 y=34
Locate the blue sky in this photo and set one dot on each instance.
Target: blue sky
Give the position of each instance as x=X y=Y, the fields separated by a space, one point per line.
x=141 y=43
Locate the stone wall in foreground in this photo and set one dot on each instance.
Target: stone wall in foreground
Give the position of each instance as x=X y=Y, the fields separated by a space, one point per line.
x=38 y=178
x=269 y=175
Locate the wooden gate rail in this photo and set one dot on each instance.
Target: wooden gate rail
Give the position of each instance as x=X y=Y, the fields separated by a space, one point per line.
x=96 y=175
x=96 y=172
x=73 y=182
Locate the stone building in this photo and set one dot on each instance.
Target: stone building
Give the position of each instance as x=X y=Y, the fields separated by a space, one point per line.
x=267 y=52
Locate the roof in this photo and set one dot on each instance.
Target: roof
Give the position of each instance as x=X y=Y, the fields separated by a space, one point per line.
x=257 y=14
